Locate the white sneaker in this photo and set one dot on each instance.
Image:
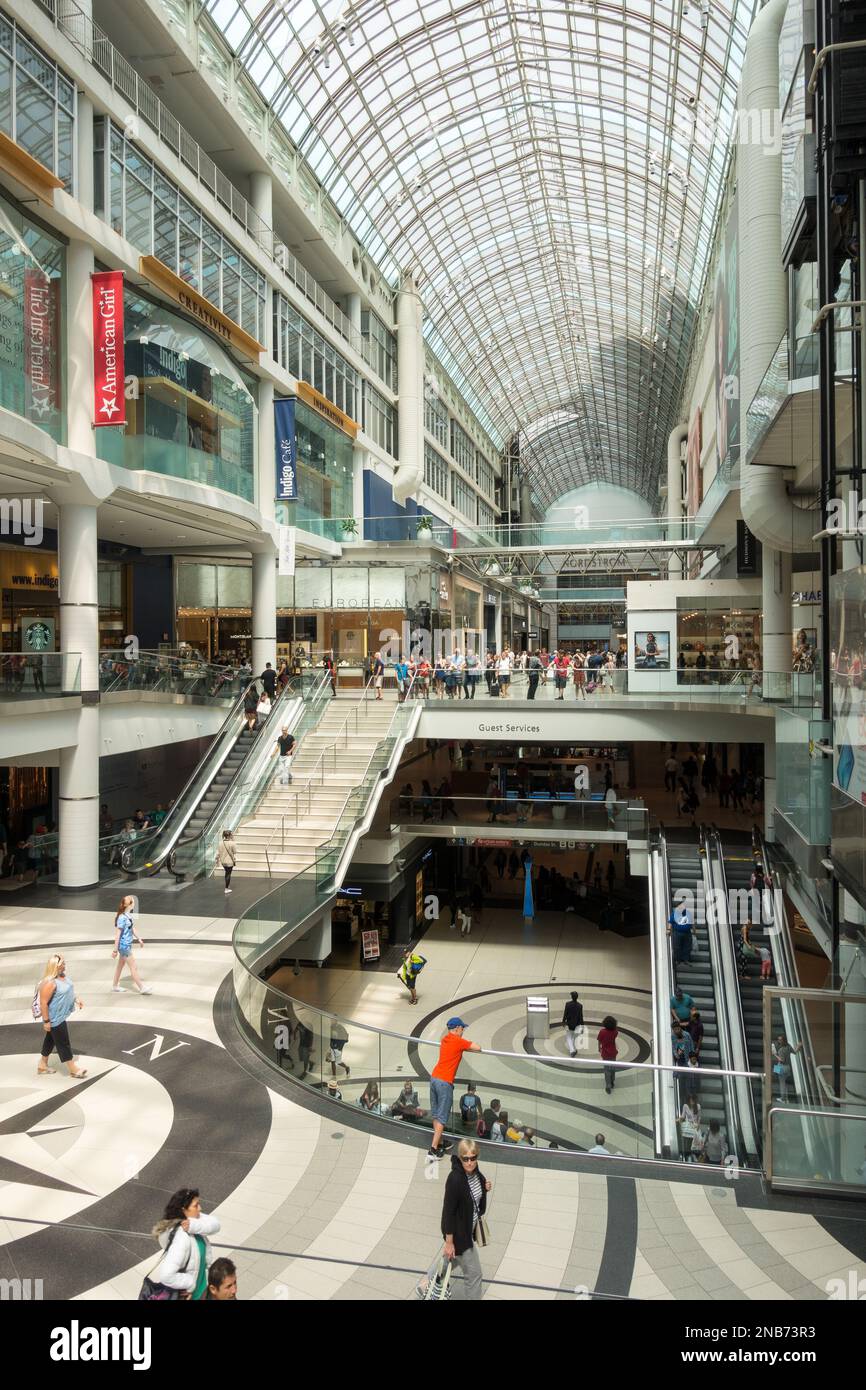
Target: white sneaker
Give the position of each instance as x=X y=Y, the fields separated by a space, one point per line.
x=145 y=989
x=228 y=890
x=115 y=989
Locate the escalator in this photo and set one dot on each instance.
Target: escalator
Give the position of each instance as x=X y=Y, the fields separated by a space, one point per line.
x=685 y=873
x=738 y=866
x=224 y=766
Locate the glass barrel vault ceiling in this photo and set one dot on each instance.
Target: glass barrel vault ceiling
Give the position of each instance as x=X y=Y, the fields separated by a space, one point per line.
x=553 y=169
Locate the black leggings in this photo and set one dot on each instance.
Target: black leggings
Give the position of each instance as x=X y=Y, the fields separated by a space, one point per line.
x=228 y=870
x=58 y=1037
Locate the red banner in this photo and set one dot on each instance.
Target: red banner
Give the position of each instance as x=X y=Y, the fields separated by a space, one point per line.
x=109 y=402
x=41 y=346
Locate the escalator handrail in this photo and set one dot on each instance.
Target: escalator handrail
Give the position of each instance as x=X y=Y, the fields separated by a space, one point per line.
x=255 y=751
x=727 y=976
x=666 y=1095
x=787 y=975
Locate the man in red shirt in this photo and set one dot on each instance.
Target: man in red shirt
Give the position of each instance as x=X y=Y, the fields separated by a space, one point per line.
x=451 y=1049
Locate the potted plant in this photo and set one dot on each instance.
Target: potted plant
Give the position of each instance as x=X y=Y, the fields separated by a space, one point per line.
x=349 y=527
x=424 y=527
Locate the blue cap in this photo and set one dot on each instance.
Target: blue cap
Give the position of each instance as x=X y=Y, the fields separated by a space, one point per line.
x=456 y=1023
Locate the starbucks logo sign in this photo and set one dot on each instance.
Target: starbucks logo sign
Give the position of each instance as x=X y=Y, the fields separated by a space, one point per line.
x=38 y=637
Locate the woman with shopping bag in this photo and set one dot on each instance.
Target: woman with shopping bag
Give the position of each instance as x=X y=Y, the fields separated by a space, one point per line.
x=463 y=1215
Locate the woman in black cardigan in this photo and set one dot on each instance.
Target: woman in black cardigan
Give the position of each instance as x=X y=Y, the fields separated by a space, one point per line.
x=465 y=1204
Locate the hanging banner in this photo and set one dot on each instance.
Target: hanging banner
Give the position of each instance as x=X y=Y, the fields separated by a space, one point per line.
x=41 y=345
x=287 y=551
x=748 y=551
x=109 y=402
x=286 y=451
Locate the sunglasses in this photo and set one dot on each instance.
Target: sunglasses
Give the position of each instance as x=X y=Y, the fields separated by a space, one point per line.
x=469 y=1158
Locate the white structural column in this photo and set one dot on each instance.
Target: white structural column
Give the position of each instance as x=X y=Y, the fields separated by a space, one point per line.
x=676 y=439
x=777 y=638
x=84 y=151
x=264 y=609
x=262 y=196
x=79 y=347
x=353 y=310
x=79 y=634
x=410 y=381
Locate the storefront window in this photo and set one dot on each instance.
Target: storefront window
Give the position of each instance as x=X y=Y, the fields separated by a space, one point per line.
x=194 y=415
x=325 y=469
x=32 y=354
x=713 y=635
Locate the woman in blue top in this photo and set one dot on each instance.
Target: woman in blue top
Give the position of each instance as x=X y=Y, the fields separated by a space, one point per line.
x=124 y=936
x=57 y=999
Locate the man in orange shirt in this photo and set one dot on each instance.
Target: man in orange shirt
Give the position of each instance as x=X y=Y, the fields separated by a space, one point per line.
x=451 y=1049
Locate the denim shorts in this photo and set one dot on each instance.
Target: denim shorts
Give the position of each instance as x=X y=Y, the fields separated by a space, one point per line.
x=441 y=1096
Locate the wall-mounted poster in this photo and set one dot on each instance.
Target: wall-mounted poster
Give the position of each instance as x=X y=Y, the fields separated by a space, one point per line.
x=652 y=651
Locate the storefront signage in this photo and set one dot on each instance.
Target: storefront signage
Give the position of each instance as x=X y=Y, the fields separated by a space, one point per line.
x=199 y=308
x=109 y=401
x=310 y=396
x=26 y=170
x=41 y=346
x=370 y=945
x=285 y=452
x=806 y=596
x=747 y=551
x=37 y=635
x=19 y=571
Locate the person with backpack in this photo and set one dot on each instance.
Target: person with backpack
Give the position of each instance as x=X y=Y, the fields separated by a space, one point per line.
x=183 y=1235
x=53 y=1002
x=409 y=971
x=124 y=937
x=471 y=1109
x=680 y=927
x=572 y=1019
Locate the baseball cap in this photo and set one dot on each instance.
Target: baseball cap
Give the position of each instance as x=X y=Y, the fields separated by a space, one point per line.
x=456 y=1023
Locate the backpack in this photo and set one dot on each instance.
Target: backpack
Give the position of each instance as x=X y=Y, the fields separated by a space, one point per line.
x=481 y=1128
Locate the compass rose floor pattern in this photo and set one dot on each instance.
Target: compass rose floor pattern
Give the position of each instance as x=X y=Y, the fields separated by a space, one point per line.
x=313 y=1203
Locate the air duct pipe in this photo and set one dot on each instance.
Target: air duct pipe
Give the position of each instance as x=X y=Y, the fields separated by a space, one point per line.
x=767 y=508
x=410 y=379
x=676 y=438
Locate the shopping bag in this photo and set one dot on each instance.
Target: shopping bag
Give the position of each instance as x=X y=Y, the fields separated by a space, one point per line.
x=435 y=1285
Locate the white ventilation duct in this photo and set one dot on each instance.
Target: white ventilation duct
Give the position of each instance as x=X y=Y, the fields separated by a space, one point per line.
x=767 y=508
x=410 y=380
x=674 y=509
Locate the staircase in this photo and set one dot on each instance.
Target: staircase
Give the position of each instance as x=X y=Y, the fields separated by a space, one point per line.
x=292 y=822
x=684 y=869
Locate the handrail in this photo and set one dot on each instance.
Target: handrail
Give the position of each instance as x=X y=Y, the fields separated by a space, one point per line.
x=253 y=773
x=203 y=773
x=308 y=784
x=732 y=1028
x=665 y=1097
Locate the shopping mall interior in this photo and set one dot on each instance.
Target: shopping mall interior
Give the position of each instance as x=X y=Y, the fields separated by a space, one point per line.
x=433 y=607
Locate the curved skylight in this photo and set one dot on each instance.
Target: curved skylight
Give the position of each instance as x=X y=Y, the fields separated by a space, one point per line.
x=555 y=171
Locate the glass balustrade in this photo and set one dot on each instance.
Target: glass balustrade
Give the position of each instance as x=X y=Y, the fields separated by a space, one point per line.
x=550 y=1102
x=564 y=812
x=159 y=673
x=685 y=686
x=39 y=675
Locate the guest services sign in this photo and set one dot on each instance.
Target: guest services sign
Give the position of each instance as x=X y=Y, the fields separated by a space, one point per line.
x=109 y=402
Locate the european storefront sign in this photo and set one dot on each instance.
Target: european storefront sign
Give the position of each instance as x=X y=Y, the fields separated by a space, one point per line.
x=286 y=451
x=109 y=401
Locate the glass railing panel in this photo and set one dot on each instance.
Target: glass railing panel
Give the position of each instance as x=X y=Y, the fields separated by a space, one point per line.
x=817 y=1149
x=560 y=810
x=39 y=675
x=696 y=688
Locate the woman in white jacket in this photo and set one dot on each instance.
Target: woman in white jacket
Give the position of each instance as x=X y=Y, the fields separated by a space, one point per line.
x=183 y=1234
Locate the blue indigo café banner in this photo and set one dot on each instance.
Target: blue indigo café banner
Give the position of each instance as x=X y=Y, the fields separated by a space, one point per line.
x=286 y=451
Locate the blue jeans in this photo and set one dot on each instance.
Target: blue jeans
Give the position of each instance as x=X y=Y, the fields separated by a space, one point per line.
x=441 y=1098
x=683 y=946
